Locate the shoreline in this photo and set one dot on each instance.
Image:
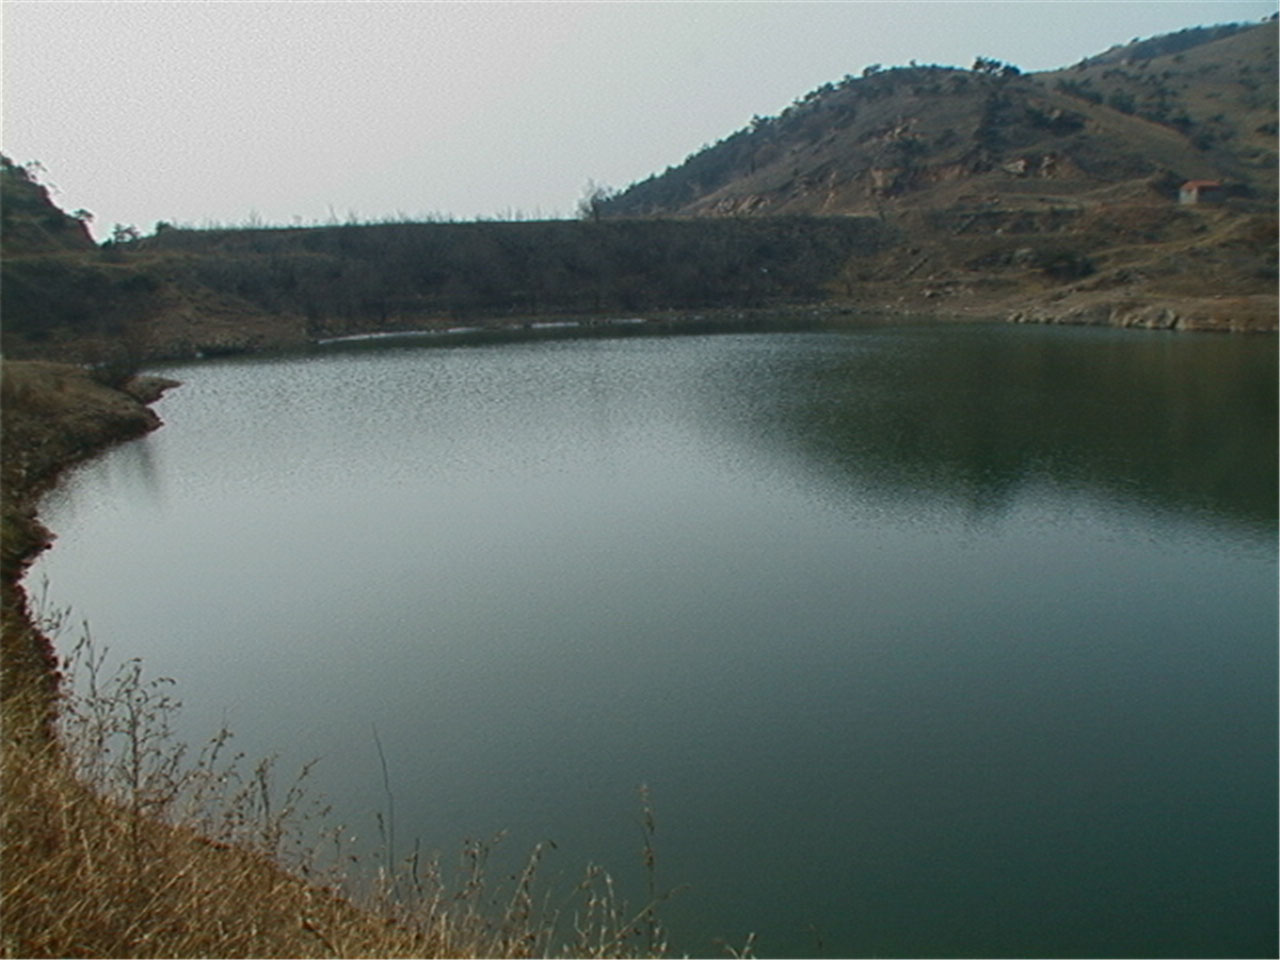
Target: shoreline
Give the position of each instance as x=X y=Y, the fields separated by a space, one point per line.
x=1257 y=313
x=93 y=871
x=59 y=416
x=168 y=336
x=55 y=417
x=92 y=874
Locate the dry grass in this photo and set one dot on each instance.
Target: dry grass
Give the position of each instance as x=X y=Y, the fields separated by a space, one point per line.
x=120 y=842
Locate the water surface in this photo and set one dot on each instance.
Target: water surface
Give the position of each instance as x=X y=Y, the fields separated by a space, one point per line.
x=942 y=641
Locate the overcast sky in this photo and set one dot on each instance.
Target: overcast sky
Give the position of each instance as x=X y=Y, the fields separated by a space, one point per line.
x=298 y=111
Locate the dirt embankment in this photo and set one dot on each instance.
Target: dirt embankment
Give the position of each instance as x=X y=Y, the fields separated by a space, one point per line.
x=1257 y=313
x=53 y=415
x=1249 y=314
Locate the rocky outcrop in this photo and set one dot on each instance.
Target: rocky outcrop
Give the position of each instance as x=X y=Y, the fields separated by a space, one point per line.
x=1218 y=314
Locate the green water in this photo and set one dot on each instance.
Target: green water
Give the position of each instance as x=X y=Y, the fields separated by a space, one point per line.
x=942 y=641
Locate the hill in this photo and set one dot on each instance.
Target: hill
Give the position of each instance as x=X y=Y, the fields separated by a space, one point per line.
x=1006 y=188
x=935 y=136
x=185 y=293
x=908 y=191
x=30 y=222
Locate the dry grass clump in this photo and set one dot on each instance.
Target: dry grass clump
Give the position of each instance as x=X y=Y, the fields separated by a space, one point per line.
x=118 y=842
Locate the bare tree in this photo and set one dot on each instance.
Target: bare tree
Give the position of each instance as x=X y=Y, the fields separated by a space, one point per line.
x=594 y=197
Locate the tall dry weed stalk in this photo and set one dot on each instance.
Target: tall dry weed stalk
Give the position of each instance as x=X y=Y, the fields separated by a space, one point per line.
x=120 y=841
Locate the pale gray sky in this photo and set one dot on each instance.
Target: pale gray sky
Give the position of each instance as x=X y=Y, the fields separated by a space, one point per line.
x=298 y=111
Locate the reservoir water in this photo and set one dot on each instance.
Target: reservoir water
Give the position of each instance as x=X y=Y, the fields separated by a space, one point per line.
x=932 y=641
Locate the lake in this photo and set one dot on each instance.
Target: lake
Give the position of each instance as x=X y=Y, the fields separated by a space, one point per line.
x=927 y=641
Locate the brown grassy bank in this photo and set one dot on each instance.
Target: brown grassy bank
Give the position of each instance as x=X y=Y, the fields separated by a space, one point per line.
x=118 y=842
x=52 y=416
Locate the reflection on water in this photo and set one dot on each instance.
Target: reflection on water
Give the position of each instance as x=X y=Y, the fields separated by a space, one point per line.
x=944 y=641
x=1135 y=418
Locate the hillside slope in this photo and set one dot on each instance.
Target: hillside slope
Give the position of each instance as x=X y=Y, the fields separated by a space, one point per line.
x=186 y=293
x=910 y=191
x=1045 y=194
x=930 y=136
x=30 y=222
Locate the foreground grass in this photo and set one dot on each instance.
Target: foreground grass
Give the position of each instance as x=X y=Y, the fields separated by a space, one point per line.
x=115 y=845
x=87 y=877
x=117 y=841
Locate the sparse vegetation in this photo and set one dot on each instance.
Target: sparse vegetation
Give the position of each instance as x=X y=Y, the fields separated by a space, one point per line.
x=120 y=841
x=904 y=189
x=1166 y=44
x=1079 y=160
x=161 y=295
x=815 y=203
x=29 y=222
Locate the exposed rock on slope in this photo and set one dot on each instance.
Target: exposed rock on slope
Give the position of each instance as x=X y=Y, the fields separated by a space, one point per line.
x=1009 y=189
x=938 y=137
